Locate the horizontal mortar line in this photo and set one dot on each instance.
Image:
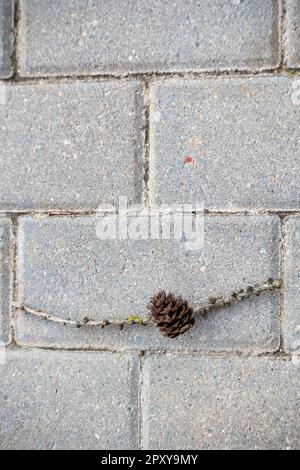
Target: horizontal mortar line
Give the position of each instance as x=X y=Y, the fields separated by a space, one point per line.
x=152 y=76
x=143 y=210
x=210 y=353
x=246 y=212
x=158 y=351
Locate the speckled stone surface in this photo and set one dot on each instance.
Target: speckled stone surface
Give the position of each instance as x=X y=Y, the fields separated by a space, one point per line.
x=67 y=400
x=113 y=279
x=292 y=285
x=5 y=278
x=220 y=403
x=70 y=146
x=139 y=36
x=292 y=33
x=176 y=101
x=6 y=38
x=220 y=143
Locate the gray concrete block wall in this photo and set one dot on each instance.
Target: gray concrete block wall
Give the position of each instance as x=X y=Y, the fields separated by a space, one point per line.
x=40 y=394
x=71 y=146
x=292 y=285
x=244 y=155
x=132 y=37
x=240 y=403
x=6 y=38
x=124 y=274
x=198 y=103
x=292 y=33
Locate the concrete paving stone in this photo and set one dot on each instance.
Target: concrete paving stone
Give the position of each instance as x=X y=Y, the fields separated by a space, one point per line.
x=5 y=279
x=228 y=143
x=292 y=33
x=292 y=286
x=191 y=402
x=73 y=38
x=68 y=400
x=6 y=38
x=70 y=146
x=111 y=279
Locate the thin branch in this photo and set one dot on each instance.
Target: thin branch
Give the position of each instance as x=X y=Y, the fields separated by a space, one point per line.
x=213 y=303
x=84 y=321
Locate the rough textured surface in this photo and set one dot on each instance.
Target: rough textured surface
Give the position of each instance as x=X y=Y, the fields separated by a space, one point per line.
x=113 y=279
x=6 y=37
x=292 y=34
x=292 y=285
x=220 y=403
x=5 y=279
x=70 y=146
x=122 y=37
x=191 y=101
x=219 y=142
x=68 y=400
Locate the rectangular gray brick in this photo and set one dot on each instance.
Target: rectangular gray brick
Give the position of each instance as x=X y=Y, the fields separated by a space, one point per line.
x=220 y=403
x=70 y=146
x=219 y=141
x=292 y=33
x=292 y=285
x=111 y=279
x=6 y=38
x=67 y=38
x=67 y=400
x=5 y=278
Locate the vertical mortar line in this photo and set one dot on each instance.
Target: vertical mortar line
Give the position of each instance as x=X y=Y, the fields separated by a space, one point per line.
x=146 y=153
x=14 y=282
x=140 y=392
x=16 y=20
x=282 y=31
x=282 y=272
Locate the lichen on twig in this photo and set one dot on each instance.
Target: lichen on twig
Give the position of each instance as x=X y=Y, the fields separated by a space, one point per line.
x=236 y=296
x=213 y=303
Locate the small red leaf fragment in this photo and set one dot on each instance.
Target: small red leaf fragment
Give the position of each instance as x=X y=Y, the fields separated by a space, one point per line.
x=188 y=160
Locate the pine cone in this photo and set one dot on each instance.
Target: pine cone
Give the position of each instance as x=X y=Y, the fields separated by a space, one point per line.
x=171 y=314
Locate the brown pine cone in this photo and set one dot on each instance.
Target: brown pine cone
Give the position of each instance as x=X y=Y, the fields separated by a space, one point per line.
x=171 y=314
